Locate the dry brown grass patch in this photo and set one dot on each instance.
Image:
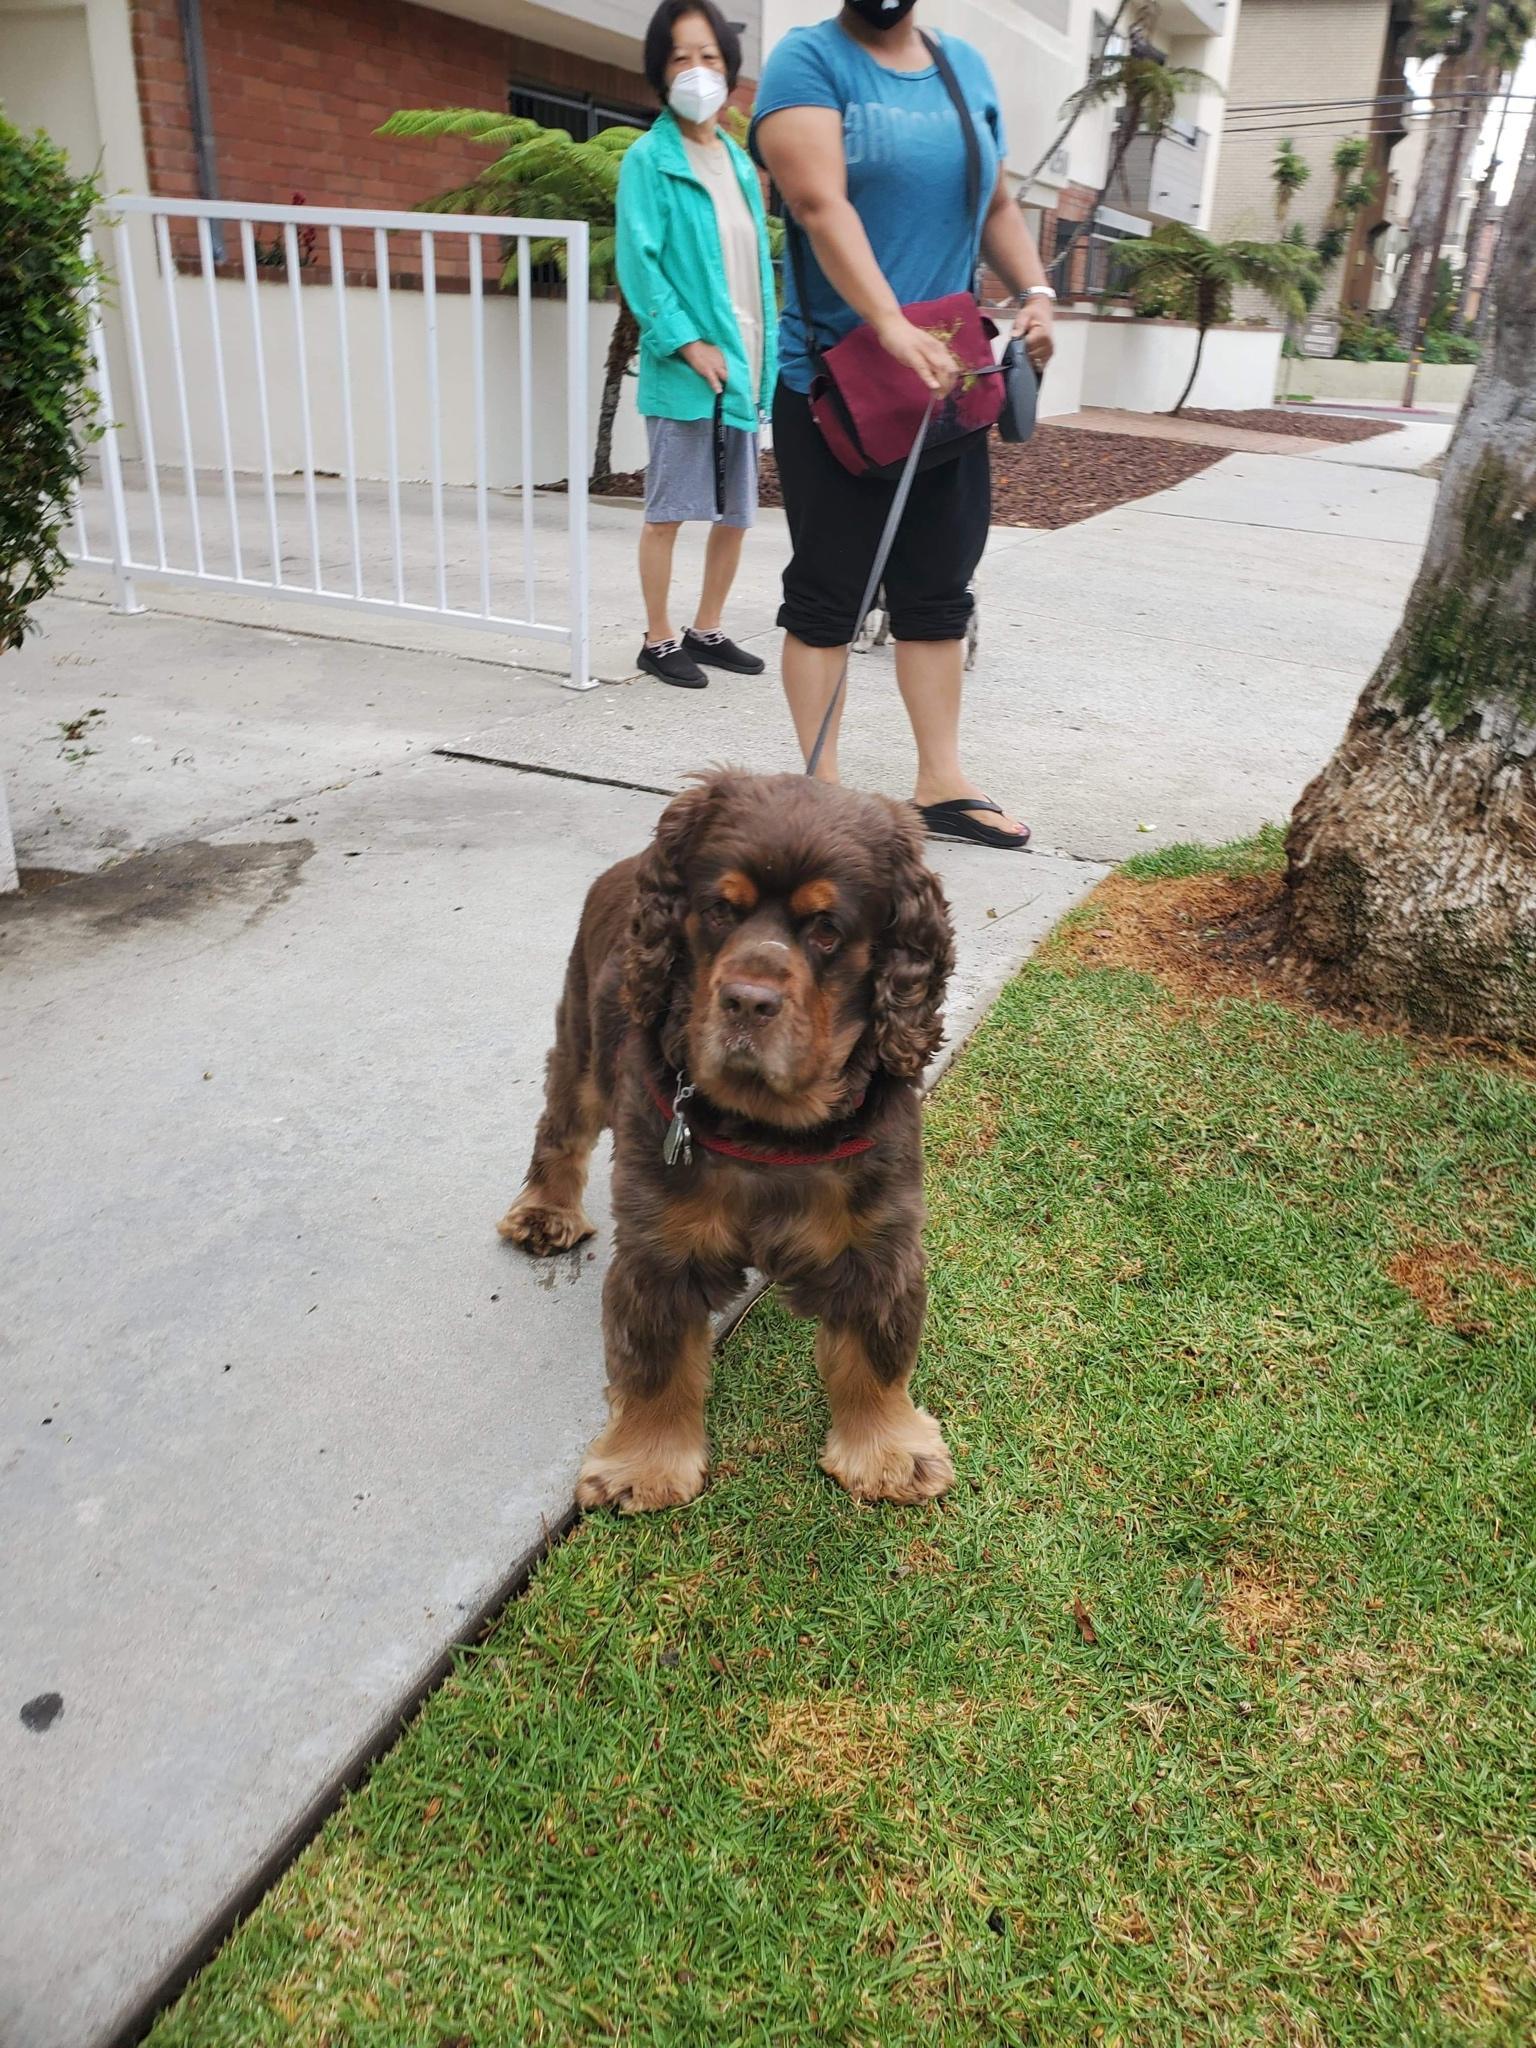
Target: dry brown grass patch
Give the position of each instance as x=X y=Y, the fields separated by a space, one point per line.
x=1432 y=1273
x=828 y=1749
x=1209 y=938
x=1261 y=1607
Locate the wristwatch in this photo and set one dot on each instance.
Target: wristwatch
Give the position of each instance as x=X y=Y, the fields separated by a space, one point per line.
x=1038 y=291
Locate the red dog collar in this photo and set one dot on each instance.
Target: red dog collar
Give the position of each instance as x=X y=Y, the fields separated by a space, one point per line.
x=672 y=1113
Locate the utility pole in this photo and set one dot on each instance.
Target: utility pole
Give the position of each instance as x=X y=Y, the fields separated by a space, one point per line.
x=1425 y=306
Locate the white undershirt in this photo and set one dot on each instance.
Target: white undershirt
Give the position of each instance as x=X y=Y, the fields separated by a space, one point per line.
x=712 y=163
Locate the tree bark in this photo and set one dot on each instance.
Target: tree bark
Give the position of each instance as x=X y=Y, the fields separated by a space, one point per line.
x=622 y=344
x=1412 y=856
x=1194 y=373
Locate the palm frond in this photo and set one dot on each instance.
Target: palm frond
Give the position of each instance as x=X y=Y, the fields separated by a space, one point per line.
x=476 y=124
x=1179 y=261
x=538 y=174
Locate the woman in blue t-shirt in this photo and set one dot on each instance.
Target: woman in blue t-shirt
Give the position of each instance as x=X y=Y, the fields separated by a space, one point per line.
x=860 y=135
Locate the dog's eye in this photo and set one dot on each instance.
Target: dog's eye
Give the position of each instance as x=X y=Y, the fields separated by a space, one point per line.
x=824 y=935
x=719 y=916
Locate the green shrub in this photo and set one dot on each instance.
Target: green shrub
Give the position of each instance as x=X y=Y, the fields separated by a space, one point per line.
x=47 y=402
x=1362 y=341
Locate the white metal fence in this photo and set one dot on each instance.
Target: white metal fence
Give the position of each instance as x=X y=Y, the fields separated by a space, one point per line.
x=287 y=438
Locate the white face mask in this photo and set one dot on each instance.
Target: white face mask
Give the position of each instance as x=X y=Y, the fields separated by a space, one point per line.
x=697 y=93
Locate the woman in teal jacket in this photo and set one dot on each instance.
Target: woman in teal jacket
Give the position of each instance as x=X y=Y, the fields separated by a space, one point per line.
x=695 y=269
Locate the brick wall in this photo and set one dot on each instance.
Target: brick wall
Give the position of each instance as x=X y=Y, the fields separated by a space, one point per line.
x=297 y=88
x=1293 y=50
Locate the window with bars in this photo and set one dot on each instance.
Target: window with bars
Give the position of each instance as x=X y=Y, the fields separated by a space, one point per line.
x=581 y=116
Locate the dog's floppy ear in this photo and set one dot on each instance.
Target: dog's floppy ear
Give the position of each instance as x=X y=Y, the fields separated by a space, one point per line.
x=915 y=957
x=657 y=941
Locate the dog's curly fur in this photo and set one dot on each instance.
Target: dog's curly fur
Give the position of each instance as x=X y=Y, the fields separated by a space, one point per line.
x=784 y=946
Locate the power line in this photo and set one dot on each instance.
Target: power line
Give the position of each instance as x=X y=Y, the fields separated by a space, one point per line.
x=1377 y=99
x=1372 y=126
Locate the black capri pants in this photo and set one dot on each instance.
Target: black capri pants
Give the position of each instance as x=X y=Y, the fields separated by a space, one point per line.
x=835 y=523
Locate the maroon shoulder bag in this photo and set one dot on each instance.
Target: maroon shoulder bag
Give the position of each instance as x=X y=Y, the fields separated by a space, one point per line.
x=869 y=407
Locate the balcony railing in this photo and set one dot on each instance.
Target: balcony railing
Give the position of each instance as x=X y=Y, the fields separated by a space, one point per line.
x=1164 y=180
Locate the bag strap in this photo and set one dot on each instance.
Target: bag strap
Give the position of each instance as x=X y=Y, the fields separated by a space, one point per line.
x=946 y=71
x=794 y=234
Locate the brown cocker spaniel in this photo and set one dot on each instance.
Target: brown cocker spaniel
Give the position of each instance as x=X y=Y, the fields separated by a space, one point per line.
x=750 y=1005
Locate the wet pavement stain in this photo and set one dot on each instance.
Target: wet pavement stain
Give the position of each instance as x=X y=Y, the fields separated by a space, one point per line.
x=41 y=1713
x=563 y=1266
x=174 y=885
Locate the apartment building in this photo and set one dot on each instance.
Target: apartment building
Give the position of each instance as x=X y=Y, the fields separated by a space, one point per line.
x=1039 y=52
x=1316 y=71
x=259 y=99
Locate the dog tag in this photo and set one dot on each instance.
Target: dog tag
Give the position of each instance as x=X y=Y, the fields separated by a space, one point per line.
x=678 y=1143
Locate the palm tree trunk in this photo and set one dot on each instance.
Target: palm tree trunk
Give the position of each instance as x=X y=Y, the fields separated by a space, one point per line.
x=1412 y=856
x=1194 y=373
x=1480 y=206
x=1454 y=121
x=621 y=351
x=1125 y=135
x=1094 y=68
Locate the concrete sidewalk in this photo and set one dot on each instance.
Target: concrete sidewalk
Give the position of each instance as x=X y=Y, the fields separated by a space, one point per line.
x=279 y=1417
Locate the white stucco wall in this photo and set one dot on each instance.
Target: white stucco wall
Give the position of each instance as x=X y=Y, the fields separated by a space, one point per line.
x=1061 y=388
x=407 y=311
x=1142 y=365
x=1376 y=383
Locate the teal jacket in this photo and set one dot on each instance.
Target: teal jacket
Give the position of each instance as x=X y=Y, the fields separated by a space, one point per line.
x=673 y=276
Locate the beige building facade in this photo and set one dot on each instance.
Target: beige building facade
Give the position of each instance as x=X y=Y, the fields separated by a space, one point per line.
x=1295 y=65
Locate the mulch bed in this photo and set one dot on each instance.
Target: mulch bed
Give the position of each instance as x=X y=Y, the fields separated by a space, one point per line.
x=1055 y=479
x=1299 y=420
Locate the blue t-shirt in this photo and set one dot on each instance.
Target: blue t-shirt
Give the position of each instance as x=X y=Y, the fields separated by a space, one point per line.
x=906 y=171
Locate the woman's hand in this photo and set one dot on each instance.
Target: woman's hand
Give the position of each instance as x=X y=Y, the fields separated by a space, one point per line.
x=704 y=357
x=1034 y=327
x=924 y=353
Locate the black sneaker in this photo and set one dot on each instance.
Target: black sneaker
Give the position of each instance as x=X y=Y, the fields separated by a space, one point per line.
x=715 y=651
x=669 y=664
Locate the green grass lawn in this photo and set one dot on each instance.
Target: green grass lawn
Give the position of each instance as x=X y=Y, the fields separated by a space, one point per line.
x=1204 y=1710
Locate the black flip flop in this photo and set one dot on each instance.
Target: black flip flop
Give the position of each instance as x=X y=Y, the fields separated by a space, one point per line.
x=954 y=819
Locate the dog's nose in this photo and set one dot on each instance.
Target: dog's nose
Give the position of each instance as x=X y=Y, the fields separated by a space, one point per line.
x=754 y=1001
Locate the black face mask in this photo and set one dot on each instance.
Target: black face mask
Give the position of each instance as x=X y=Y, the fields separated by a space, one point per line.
x=882 y=13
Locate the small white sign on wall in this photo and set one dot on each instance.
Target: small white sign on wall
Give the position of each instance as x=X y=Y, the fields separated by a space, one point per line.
x=1321 y=337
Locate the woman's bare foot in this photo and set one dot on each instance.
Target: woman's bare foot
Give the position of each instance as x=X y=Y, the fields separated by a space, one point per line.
x=932 y=793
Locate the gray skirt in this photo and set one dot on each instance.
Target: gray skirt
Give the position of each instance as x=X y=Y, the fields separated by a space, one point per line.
x=680 y=475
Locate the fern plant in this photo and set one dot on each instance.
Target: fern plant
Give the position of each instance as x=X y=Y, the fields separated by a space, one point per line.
x=1198 y=276
x=1148 y=90
x=541 y=173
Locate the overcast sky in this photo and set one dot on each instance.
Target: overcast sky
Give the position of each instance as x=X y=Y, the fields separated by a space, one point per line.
x=1419 y=77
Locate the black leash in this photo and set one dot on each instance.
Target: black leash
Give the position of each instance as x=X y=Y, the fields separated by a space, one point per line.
x=877 y=571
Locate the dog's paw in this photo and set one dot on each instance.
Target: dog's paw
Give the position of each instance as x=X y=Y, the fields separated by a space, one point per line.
x=542 y=1228
x=635 y=1485
x=905 y=1461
